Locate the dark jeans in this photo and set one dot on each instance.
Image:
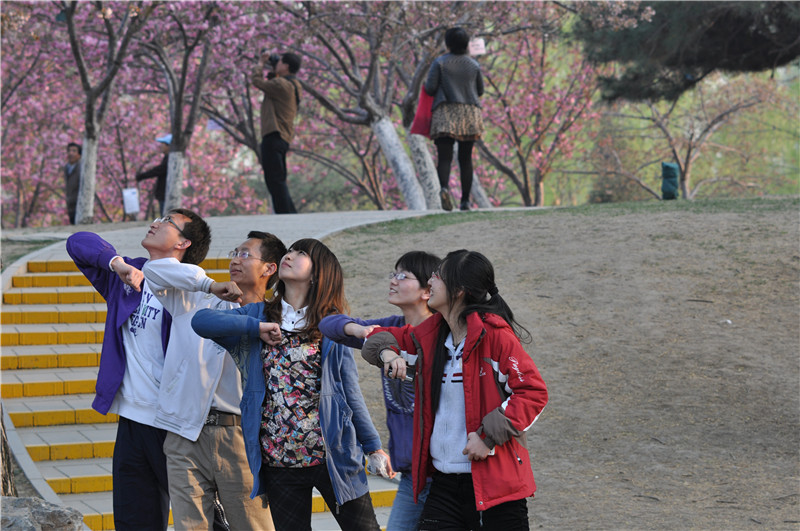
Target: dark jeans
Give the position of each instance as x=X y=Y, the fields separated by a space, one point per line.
x=289 y=493
x=273 y=160
x=139 y=473
x=451 y=505
x=444 y=150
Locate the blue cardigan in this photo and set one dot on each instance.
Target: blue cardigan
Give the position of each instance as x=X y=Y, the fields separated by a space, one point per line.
x=92 y=255
x=347 y=428
x=397 y=395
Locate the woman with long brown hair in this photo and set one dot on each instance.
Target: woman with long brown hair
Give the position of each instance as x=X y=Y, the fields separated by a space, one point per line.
x=304 y=419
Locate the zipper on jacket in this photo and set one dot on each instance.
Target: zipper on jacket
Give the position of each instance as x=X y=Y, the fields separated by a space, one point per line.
x=519 y=461
x=419 y=384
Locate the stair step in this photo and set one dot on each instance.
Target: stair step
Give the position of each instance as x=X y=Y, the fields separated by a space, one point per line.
x=49 y=280
x=77 y=476
x=52 y=266
x=54 y=411
x=52 y=334
x=68 y=266
x=50 y=356
x=50 y=443
x=68 y=295
x=53 y=382
x=57 y=313
x=62 y=280
x=97 y=509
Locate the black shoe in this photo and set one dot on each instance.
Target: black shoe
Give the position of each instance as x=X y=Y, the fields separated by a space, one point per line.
x=464 y=205
x=447 y=203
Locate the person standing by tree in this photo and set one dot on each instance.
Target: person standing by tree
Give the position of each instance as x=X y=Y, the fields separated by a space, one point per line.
x=72 y=179
x=456 y=84
x=159 y=172
x=278 y=111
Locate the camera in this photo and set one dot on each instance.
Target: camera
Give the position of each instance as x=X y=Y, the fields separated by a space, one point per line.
x=274 y=58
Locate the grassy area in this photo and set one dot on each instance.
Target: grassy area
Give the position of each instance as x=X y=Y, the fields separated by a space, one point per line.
x=703 y=206
x=11 y=251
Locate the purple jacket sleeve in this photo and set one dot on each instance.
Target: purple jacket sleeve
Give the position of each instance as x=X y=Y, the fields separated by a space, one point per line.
x=332 y=327
x=92 y=254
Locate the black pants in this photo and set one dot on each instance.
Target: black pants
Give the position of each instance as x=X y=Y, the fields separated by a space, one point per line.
x=451 y=505
x=273 y=160
x=139 y=473
x=289 y=493
x=444 y=150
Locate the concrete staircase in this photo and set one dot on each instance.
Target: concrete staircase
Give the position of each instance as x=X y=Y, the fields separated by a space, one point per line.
x=52 y=331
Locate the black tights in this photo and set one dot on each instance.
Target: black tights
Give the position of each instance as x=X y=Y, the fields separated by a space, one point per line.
x=444 y=148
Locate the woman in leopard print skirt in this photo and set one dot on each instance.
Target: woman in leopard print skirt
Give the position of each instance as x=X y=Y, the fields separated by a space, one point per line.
x=456 y=84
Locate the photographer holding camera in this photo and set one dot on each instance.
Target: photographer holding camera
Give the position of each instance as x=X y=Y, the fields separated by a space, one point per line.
x=278 y=110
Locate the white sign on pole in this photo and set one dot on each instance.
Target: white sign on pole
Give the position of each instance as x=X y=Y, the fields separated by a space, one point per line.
x=477 y=46
x=130 y=200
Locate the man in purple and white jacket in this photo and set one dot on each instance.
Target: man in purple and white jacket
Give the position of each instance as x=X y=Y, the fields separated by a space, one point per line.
x=132 y=358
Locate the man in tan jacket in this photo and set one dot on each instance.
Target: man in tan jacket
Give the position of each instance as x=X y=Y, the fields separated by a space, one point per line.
x=278 y=110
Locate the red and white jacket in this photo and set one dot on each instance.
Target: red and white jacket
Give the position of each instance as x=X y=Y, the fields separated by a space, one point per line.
x=503 y=394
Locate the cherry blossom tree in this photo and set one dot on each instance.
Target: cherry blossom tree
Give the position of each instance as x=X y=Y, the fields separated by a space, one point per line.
x=100 y=34
x=170 y=47
x=539 y=96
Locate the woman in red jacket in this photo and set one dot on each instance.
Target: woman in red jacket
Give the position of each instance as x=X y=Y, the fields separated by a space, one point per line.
x=477 y=393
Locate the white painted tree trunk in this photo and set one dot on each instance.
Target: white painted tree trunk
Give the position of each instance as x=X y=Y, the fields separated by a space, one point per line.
x=84 y=212
x=479 y=194
x=174 y=194
x=400 y=163
x=426 y=170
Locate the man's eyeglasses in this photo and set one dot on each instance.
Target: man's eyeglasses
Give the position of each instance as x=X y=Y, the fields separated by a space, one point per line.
x=168 y=219
x=400 y=276
x=244 y=255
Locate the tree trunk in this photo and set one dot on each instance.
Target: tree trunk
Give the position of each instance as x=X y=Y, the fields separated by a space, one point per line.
x=479 y=194
x=400 y=163
x=538 y=192
x=685 y=175
x=85 y=209
x=426 y=170
x=174 y=196
x=9 y=489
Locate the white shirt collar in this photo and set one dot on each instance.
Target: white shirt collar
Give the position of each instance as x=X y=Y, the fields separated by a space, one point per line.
x=292 y=319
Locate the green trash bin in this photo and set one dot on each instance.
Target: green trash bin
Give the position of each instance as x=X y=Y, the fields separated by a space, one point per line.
x=669 y=180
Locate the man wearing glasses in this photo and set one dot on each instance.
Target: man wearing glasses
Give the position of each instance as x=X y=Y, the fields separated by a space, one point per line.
x=132 y=358
x=198 y=403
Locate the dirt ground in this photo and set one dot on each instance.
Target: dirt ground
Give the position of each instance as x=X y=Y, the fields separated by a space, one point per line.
x=669 y=341
x=670 y=344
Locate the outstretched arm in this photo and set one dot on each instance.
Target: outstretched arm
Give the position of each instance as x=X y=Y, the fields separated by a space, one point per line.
x=226 y=327
x=352 y=331
x=93 y=256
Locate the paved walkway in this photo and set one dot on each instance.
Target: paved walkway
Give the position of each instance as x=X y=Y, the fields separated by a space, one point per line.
x=226 y=232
